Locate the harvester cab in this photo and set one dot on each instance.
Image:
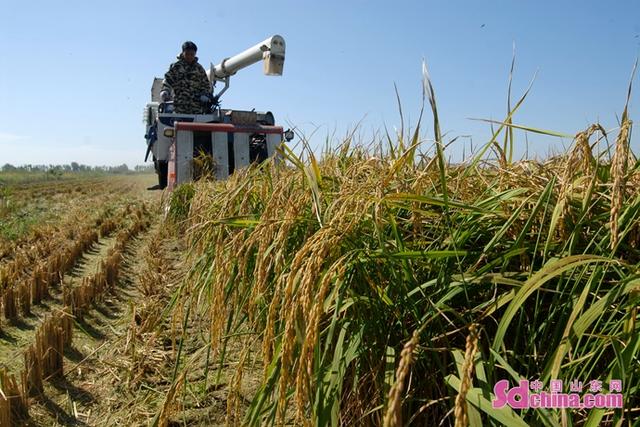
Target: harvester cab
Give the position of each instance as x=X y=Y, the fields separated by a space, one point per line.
x=224 y=139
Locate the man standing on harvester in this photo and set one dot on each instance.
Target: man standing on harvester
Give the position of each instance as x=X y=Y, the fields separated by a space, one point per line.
x=184 y=117
x=189 y=82
x=191 y=89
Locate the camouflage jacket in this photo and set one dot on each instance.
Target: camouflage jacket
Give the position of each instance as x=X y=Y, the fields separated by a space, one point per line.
x=189 y=82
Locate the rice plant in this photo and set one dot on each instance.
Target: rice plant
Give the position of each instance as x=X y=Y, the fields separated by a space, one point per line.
x=383 y=285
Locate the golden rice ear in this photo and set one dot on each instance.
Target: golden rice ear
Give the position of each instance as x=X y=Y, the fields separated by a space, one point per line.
x=234 y=396
x=619 y=169
x=579 y=162
x=393 y=416
x=460 y=410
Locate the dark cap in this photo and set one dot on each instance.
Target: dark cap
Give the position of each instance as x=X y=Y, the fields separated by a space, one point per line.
x=189 y=45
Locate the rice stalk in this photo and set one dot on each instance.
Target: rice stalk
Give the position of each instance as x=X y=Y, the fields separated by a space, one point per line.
x=619 y=167
x=460 y=411
x=579 y=162
x=393 y=415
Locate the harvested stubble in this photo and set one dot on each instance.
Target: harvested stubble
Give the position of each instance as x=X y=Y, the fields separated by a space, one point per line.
x=49 y=345
x=336 y=263
x=107 y=227
x=50 y=272
x=32 y=373
x=80 y=298
x=9 y=305
x=111 y=266
x=76 y=232
x=5 y=411
x=24 y=295
x=45 y=358
x=13 y=404
x=39 y=285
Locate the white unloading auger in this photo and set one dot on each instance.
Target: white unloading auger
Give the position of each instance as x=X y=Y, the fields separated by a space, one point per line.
x=271 y=51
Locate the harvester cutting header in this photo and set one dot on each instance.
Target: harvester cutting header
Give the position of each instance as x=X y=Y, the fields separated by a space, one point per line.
x=184 y=118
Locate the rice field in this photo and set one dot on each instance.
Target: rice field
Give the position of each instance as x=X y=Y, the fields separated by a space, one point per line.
x=381 y=285
x=368 y=285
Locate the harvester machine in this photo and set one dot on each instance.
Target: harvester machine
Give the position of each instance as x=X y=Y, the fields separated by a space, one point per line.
x=230 y=139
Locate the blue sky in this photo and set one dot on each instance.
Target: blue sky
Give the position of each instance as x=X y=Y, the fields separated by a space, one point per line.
x=75 y=76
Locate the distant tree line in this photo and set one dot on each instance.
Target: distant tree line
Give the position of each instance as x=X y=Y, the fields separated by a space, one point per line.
x=76 y=167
